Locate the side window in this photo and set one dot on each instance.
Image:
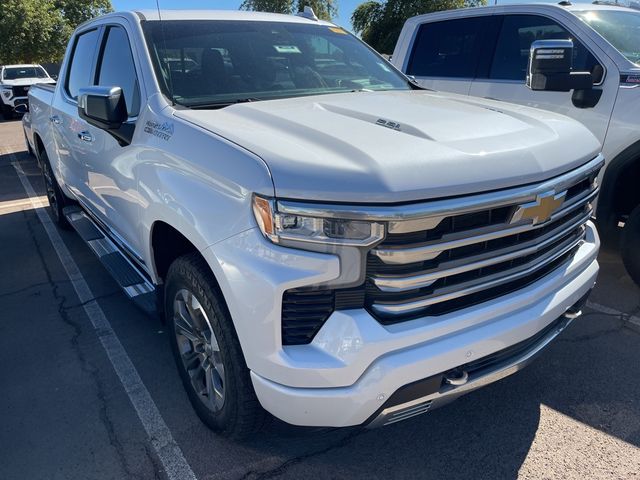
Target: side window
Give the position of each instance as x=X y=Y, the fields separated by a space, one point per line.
x=447 y=49
x=116 y=68
x=79 y=73
x=517 y=34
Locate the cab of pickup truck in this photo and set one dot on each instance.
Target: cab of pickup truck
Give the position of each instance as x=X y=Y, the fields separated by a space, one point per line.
x=327 y=241
x=484 y=52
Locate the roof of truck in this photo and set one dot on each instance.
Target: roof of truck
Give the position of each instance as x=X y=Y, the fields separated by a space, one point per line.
x=225 y=15
x=21 y=65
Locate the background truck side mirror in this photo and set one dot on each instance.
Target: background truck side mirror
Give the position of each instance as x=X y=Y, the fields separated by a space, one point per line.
x=550 y=68
x=105 y=108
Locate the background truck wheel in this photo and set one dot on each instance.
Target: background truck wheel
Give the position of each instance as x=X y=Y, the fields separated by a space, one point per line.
x=207 y=351
x=630 y=245
x=7 y=112
x=57 y=199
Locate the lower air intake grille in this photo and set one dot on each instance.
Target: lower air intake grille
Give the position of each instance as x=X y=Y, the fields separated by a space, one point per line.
x=304 y=311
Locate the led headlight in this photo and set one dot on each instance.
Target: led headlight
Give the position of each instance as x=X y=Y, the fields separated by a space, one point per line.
x=319 y=228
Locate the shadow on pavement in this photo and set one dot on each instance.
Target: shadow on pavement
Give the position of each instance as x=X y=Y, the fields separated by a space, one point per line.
x=588 y=374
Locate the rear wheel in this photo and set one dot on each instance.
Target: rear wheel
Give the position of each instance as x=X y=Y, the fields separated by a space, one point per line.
x=207 y=351
x=630 y=245
x=57 y=199
x=29 y=149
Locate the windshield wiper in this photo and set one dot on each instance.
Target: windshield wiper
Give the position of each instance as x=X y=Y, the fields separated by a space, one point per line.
x=226 y=103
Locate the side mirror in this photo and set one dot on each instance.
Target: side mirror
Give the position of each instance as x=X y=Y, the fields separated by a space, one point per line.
x=105 y=108
x=550 y=68
x=22 y=109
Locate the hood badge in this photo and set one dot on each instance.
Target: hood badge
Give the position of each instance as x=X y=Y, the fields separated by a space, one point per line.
x=541 y=209
x=388 y=124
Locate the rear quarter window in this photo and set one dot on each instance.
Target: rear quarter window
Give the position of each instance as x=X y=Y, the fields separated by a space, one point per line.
x=449 y=48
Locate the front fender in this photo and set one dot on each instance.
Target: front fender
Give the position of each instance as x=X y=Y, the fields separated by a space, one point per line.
x=199 y=184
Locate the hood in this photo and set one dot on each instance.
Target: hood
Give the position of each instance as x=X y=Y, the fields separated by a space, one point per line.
x=398 y=146
x=20 y=82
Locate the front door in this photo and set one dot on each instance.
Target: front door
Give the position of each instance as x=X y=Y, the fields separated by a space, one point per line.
x=110 y=165
x=505 y=79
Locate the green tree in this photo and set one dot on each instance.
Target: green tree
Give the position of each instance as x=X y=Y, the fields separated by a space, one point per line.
x=273 y=6
x=324 y=9
x=379 y=22
x=37 y=31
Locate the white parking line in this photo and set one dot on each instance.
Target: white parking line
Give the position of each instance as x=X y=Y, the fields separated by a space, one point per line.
x=612 y=311
x=170 y=454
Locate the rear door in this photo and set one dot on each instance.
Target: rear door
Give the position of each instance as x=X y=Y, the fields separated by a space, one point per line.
x=447 y=54
x=505 y=77
x=66 y=124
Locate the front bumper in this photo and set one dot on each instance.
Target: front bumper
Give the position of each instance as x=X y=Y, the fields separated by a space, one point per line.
x=15 y=101
x=354 y=364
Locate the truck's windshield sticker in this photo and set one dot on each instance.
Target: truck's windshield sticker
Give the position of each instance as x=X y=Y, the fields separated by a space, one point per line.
x=287 y=49
x=164 y=130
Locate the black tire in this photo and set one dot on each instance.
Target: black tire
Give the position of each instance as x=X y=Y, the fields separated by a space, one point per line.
x=7 y=112
x=630 y=245
x=29 y=149
x=240 y=414
x=57 y=199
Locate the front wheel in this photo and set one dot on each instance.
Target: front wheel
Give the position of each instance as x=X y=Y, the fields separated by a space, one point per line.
x=630 y=245
x=207 y=351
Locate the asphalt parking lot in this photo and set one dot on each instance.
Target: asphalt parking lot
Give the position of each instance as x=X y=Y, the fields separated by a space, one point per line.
x=72 y=406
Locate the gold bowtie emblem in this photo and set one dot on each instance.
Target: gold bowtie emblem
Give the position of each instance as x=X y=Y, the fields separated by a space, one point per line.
x=540 y=210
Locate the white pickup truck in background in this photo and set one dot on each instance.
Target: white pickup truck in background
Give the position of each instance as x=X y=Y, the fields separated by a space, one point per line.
x=15 y=81
x=484 y=52
x=326 y=240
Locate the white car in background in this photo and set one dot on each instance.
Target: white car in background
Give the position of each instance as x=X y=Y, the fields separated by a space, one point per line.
x=484 y=52
x=15 y=81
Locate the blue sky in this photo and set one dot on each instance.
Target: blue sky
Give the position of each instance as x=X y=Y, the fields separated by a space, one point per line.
x=345 y=7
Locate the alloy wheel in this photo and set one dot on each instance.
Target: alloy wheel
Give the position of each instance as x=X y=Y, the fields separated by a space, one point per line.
x=199 y=349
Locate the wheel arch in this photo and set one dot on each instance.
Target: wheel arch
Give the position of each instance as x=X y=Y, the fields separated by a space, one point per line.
x=619 y=192
x=167 y=245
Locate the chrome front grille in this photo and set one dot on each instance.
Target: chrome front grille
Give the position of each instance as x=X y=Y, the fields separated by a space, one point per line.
x=468 y=258
x=442 y=256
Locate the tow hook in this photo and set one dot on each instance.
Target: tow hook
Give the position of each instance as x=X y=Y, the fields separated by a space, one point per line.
x=571 y=313
x=456 y=377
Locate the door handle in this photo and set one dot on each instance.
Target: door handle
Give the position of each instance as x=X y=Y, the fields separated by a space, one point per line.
x=85 y=136
x=55 y=119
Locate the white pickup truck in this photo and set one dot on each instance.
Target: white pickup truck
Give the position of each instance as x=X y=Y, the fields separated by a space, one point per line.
x=484 y=52
x=15 y=81
x=326 y=240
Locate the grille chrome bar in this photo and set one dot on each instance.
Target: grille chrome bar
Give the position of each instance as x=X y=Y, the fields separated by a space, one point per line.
x=468 y=288
x=401 y=283
x=403 y=255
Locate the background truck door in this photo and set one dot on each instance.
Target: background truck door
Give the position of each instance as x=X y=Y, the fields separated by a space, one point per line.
x=447 y=54
x=505 y=78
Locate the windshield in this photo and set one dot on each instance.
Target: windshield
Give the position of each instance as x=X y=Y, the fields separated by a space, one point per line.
x=620 y=28
x=15 y=73
x=212 y=63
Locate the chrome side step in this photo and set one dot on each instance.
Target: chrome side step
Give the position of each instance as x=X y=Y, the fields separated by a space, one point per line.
x=132 y=281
